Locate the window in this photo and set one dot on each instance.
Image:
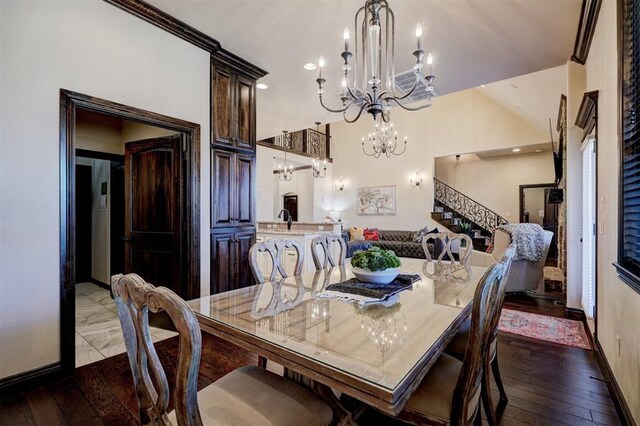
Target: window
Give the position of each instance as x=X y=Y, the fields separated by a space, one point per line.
x=629 y=233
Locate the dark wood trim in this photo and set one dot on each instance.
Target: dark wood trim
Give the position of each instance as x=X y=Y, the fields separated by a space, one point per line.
x=628 y=277
x=561 y=105
x=521 y=195
x=69 y=103
x=575 y=314
x=279 y=148
x=295 y=169
x=30 y=379
x=100 y=284
x=588 y=113
x=98 y=155
x=586 y=28
x=619 y=402
x=163 y=20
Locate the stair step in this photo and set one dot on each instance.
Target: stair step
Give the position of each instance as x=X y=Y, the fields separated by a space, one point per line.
x=447 y=215
x=438 y=209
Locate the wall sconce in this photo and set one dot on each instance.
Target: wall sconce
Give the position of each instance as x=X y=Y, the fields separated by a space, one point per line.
x=340 y=185
x=417 y=181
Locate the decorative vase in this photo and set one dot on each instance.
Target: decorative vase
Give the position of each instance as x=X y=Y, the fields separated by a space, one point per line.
x=378 y=277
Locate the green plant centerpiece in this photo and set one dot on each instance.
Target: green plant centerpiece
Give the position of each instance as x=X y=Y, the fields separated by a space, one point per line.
x=375 y=265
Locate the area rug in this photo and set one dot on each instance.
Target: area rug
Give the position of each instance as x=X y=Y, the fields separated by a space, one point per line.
x=543 y=327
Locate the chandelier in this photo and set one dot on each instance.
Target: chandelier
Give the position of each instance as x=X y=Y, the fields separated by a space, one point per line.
x=317 y=171
x=384 y=140
x=371 y=87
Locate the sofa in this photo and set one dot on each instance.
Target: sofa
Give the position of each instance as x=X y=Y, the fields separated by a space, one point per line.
x=401 y=242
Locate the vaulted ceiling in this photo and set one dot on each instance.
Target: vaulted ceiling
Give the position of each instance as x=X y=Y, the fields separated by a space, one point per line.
x=473 y=42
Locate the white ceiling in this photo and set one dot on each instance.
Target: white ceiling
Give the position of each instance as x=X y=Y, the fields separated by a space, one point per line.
x=534 y=97
x=473 y=42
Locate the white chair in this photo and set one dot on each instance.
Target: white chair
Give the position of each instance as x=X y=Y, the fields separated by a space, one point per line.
x=248 y=395
x=446 y=241
x=323 y=244
x=276 y=249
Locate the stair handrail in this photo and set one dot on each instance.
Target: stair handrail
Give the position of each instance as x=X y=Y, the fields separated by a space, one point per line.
x=465 y=206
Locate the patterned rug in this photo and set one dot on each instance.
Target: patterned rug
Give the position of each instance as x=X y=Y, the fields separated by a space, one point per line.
x=543 y=327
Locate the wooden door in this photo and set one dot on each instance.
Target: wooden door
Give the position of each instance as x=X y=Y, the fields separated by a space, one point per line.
x=243 y=242
x=222 y=106
x=291 y=205
x=222 y=188
x=245 y=113
x=244 y=204
x=223 y=272
x=153 y=196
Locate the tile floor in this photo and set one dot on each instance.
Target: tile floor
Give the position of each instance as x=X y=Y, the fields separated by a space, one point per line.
x=98 y=332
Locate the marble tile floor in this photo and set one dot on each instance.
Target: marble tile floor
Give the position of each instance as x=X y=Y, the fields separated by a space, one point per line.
x=98 y=332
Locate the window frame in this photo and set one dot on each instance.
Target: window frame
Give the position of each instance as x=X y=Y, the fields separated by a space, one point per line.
x=629 y=274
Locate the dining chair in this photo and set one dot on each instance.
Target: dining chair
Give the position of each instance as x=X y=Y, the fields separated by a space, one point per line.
x=443 y=243
x=322 y=245
x=276 y=249
x=451 y=391
x=247 y=395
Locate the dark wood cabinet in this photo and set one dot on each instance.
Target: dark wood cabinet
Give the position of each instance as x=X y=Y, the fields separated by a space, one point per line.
x=232 y=189
x=233 y=109
x=230 y=259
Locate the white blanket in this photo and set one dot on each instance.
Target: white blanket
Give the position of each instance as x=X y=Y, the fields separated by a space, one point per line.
x=528 y=239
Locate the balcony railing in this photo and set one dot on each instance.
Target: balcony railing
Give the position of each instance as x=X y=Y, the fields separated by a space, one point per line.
x=307 y=142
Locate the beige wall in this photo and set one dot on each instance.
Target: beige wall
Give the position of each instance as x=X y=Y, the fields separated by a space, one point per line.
x=479 y=178
x=618 y=306
x=457 y=123
x=117 y=57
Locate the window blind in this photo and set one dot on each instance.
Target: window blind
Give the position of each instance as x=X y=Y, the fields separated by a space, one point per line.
x=629 y=254
x=588 y=226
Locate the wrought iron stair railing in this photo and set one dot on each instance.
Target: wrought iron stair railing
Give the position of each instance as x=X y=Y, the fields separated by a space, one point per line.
x=466 y=209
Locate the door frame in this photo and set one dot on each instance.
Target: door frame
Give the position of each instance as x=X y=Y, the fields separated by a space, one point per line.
x=530 y=186
x=70 y=102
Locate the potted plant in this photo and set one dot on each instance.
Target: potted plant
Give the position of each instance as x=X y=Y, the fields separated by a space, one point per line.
x=465 y=228
x=375 y=265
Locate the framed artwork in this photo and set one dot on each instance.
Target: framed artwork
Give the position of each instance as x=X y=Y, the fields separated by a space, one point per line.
x=376 y=201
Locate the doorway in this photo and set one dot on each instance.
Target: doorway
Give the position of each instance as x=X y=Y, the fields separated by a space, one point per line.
x=161 y=169
x=536 y=208
x=290 y=205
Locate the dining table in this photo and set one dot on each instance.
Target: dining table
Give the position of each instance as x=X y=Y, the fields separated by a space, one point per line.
x=376 y=353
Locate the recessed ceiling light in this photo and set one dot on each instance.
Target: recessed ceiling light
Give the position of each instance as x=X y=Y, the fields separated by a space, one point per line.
x=262 y=86
x=516 y=150
x=310 y=66
x=538 y=150
x=483 y=86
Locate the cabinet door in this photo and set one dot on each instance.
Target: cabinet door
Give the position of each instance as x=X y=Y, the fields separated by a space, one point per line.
x=245 y=113
x=245 y=204
x=222 y=188
x=243 y=242
x=223 y=272
x=222 y=106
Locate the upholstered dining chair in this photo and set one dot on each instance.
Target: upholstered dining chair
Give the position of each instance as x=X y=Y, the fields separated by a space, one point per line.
x=444 y=243
x=247 y=395
x=321 y=246
x=276 y=249
x=451 y=391
x=458 y=345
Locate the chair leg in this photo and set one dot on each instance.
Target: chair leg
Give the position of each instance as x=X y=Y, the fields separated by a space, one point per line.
x=486 y=397
x=496 y=376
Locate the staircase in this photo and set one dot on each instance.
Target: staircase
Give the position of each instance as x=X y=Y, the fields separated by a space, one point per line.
x=451 y=208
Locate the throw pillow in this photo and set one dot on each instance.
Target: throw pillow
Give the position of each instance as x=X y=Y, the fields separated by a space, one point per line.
x=371 y=234
x=424 y=231
x=356 y=234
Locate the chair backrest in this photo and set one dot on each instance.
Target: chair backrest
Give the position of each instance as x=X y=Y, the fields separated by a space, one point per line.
x=276 y=249
x=487 y=303
x=134 y=299
x=322 y=246
x=446 y=240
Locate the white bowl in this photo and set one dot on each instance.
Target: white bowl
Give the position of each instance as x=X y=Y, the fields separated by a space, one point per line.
x=378 y=277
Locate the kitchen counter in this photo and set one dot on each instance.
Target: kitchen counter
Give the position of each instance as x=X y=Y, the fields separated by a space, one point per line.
x=292 y=232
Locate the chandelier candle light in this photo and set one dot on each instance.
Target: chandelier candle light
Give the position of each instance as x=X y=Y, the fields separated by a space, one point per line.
x=384 y=140
x=373 y=87
x=317 y=171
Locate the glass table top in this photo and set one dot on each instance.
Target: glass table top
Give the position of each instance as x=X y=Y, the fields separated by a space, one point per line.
x=378 y=345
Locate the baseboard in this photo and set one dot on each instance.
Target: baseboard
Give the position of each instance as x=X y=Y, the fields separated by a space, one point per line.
x=575 y=314
x=101 y=284
x=30 y=379
x=624 y=414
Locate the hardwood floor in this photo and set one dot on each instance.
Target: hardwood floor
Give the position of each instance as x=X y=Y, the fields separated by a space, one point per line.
x=547 y=384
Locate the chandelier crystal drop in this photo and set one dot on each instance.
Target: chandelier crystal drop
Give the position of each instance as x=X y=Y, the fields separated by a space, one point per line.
x=369 y=81
x=383 y=141
x=285 y=173
x=317 y=170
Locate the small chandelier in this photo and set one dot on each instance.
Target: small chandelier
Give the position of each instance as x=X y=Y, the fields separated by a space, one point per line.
x=372 y=88
x=384 y=140
x=317 y=171
x=285 y=173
